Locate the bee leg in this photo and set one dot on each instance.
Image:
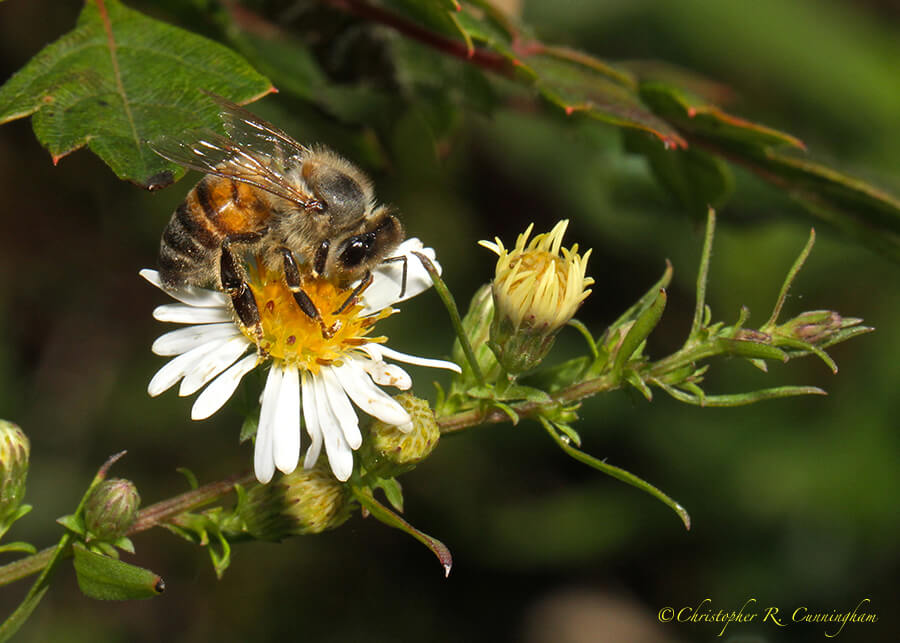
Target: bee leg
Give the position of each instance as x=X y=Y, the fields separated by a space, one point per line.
x=242 y=298
x=295 y=285
x=403 y=274
x=365 y=283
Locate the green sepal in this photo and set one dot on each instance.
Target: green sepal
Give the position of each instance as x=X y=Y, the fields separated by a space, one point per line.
x=124 y=543
x=103 y=548
x=18 y=545
x=74 y=523
x=108 y=579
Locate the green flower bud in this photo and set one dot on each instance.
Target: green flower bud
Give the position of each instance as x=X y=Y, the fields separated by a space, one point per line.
x=813 y=327
x=537 y=288
x=14 y=452
x=307 y=501
x=111 y=509
x=390 y=450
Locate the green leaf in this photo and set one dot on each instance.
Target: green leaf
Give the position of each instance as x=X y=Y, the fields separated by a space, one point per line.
x=738 y=399
x=694 y=178
x=388 y=517
x=615 y=472
x=109 y=579
x=15 y=620
x=120 y=79
x=639 y=331
x=578 y=87
x=750 y=349
x=392 y=491
x=248 y=428
x=18 y=545
x=642 y=304
x=710 y=121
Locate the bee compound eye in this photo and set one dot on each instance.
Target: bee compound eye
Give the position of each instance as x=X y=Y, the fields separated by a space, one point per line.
x=356 y=251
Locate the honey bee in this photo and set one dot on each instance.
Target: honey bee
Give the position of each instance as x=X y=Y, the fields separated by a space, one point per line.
x=303 y=210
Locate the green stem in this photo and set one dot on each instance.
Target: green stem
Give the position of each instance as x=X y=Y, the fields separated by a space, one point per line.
x=152 y=516
x=703 y=275
x=450 y=304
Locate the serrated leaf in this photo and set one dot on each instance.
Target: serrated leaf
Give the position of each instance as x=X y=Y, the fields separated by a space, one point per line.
x=709 y=120
x=120 y=79
x=577 y=87
x=109 y=579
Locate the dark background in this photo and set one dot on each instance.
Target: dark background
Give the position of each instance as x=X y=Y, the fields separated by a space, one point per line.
x=793 y=501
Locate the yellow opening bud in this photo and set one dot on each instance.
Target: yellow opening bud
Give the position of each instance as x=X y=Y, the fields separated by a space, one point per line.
x=537 y=288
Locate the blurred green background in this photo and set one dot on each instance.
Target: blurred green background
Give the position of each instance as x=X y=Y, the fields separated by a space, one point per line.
x=793 y=501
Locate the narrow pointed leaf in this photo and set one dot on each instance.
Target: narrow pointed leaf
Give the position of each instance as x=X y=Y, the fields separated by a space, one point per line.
x=109 y=579
x=616 y=472
x=749 y=349
x=388 y=517
x=15 y=620
x=120 y=79
x=640 y=330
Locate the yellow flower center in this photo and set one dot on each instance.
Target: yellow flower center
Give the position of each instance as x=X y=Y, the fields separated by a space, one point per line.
x=291 y=335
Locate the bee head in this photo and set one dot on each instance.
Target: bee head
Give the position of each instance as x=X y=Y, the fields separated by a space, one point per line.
x=361 y=252
x=345 y=194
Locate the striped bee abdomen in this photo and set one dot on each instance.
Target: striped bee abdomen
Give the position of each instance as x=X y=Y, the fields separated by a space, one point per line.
x=214 y=209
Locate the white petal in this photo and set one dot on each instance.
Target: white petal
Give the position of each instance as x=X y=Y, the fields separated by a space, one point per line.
x=343 y=410
x=191 y=295
x=222 y=388
x=175 y=369
x=213 y=364
x=263 y=461
x=340 y=455
x=311 y=419
x=369 y=397
x=387 y=278
x=418 y=361
x=184 y=314
x=286 y=439
x=386 y=374
x=184 y=339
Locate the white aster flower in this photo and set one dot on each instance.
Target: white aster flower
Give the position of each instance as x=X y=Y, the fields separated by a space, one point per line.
x=308 y=374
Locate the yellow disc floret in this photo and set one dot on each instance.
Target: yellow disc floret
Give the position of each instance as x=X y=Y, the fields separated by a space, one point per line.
x=289 y=334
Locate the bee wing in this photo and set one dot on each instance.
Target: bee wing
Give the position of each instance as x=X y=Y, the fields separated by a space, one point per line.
x=255 y=152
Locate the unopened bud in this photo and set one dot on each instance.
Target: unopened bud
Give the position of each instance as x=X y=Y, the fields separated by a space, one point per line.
x=14 y=452
x=813 y=327
x=111 y=509
x=537 y=288
x=391 y=450
x=307 y=501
